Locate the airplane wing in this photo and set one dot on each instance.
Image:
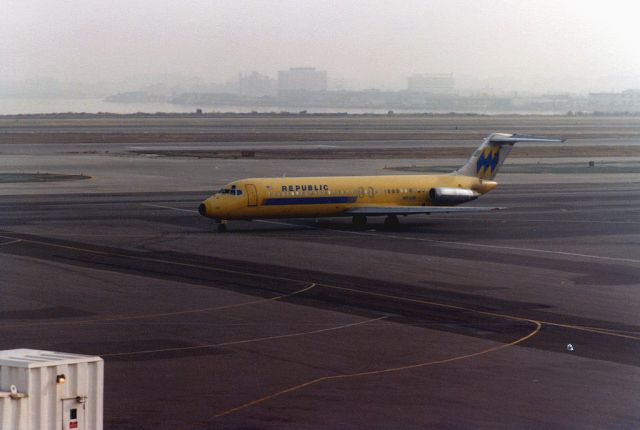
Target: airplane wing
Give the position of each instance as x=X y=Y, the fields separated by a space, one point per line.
x=409 y=210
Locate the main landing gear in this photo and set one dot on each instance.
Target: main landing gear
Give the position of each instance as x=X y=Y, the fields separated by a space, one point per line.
x=391 y=221
x=359 y=221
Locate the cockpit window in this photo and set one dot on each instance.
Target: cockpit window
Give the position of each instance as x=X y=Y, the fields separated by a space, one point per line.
x=232 y=191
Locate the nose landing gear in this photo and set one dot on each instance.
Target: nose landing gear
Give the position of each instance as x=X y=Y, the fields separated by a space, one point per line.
x=222 y=225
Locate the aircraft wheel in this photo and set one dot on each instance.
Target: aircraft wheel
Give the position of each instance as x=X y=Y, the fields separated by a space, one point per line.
x=391 y=221
x=359 y=221
x=222 y=228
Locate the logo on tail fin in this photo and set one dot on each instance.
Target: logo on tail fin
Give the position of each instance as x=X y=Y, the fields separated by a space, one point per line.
x=488 y=161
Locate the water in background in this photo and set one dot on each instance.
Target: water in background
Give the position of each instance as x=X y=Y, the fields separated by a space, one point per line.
x=15 y=106
x=11 y=106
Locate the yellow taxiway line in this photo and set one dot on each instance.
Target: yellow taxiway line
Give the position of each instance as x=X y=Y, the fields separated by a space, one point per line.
x=535 y=331
x=161 y=314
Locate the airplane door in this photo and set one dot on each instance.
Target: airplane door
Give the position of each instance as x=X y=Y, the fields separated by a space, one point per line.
x=361 y=192
x=252 y=194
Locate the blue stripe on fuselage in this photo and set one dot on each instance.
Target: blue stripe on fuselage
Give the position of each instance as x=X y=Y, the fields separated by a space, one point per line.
x=309 y=200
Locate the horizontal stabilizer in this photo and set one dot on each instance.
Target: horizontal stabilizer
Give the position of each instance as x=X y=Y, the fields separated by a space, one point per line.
x=502 y=138
x=411 y=210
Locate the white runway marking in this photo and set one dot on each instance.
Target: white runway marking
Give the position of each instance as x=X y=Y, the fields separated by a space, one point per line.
x=570 y=221
x=169 y=207
x=508 y=248
x=443 y=242
x=240 y=342
x=467 y=244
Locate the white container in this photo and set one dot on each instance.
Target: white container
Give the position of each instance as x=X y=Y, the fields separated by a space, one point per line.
x=46 y=390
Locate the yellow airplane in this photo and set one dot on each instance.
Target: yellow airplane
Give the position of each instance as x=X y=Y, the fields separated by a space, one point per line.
x=362 y=196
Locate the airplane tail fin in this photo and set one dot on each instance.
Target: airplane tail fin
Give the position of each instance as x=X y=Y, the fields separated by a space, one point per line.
x=487 y=159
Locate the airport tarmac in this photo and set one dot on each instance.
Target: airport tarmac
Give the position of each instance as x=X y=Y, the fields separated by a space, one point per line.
x=444 y=322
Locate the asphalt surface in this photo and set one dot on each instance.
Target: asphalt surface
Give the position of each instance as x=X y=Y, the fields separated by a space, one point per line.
x=445 y=322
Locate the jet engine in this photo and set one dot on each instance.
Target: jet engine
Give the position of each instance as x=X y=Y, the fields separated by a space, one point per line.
x=451 y=196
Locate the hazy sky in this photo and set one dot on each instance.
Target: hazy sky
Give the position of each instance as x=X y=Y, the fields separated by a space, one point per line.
x=578 y=45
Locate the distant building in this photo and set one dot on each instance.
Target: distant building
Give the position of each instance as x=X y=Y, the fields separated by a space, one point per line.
x=299 y=79
x=256 y=85
x=434 y=83
x=628 y=100
x=336 y=84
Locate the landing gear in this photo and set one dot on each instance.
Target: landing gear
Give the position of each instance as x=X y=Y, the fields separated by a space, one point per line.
x=359 y=221
x=222 y=225
x=391 y=221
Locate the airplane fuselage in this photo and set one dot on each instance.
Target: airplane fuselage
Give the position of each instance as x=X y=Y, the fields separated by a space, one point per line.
x=329 y=196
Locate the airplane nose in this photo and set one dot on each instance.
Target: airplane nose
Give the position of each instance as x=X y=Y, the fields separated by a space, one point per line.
x=202 y=209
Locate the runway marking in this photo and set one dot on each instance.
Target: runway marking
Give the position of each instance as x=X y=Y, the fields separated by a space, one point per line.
x=240 y=342
x=168 y=207
x=150 y=235
x=467 y=244
x=264 y=276
x=162 y=314
x=447 y=242
x=156 y=260
x=598 y=330
x=10 y=242
x=264 y=221
x=605 y=331
x=532 y=250
x=536 y=220
x=221 y=414
x=610 y=329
